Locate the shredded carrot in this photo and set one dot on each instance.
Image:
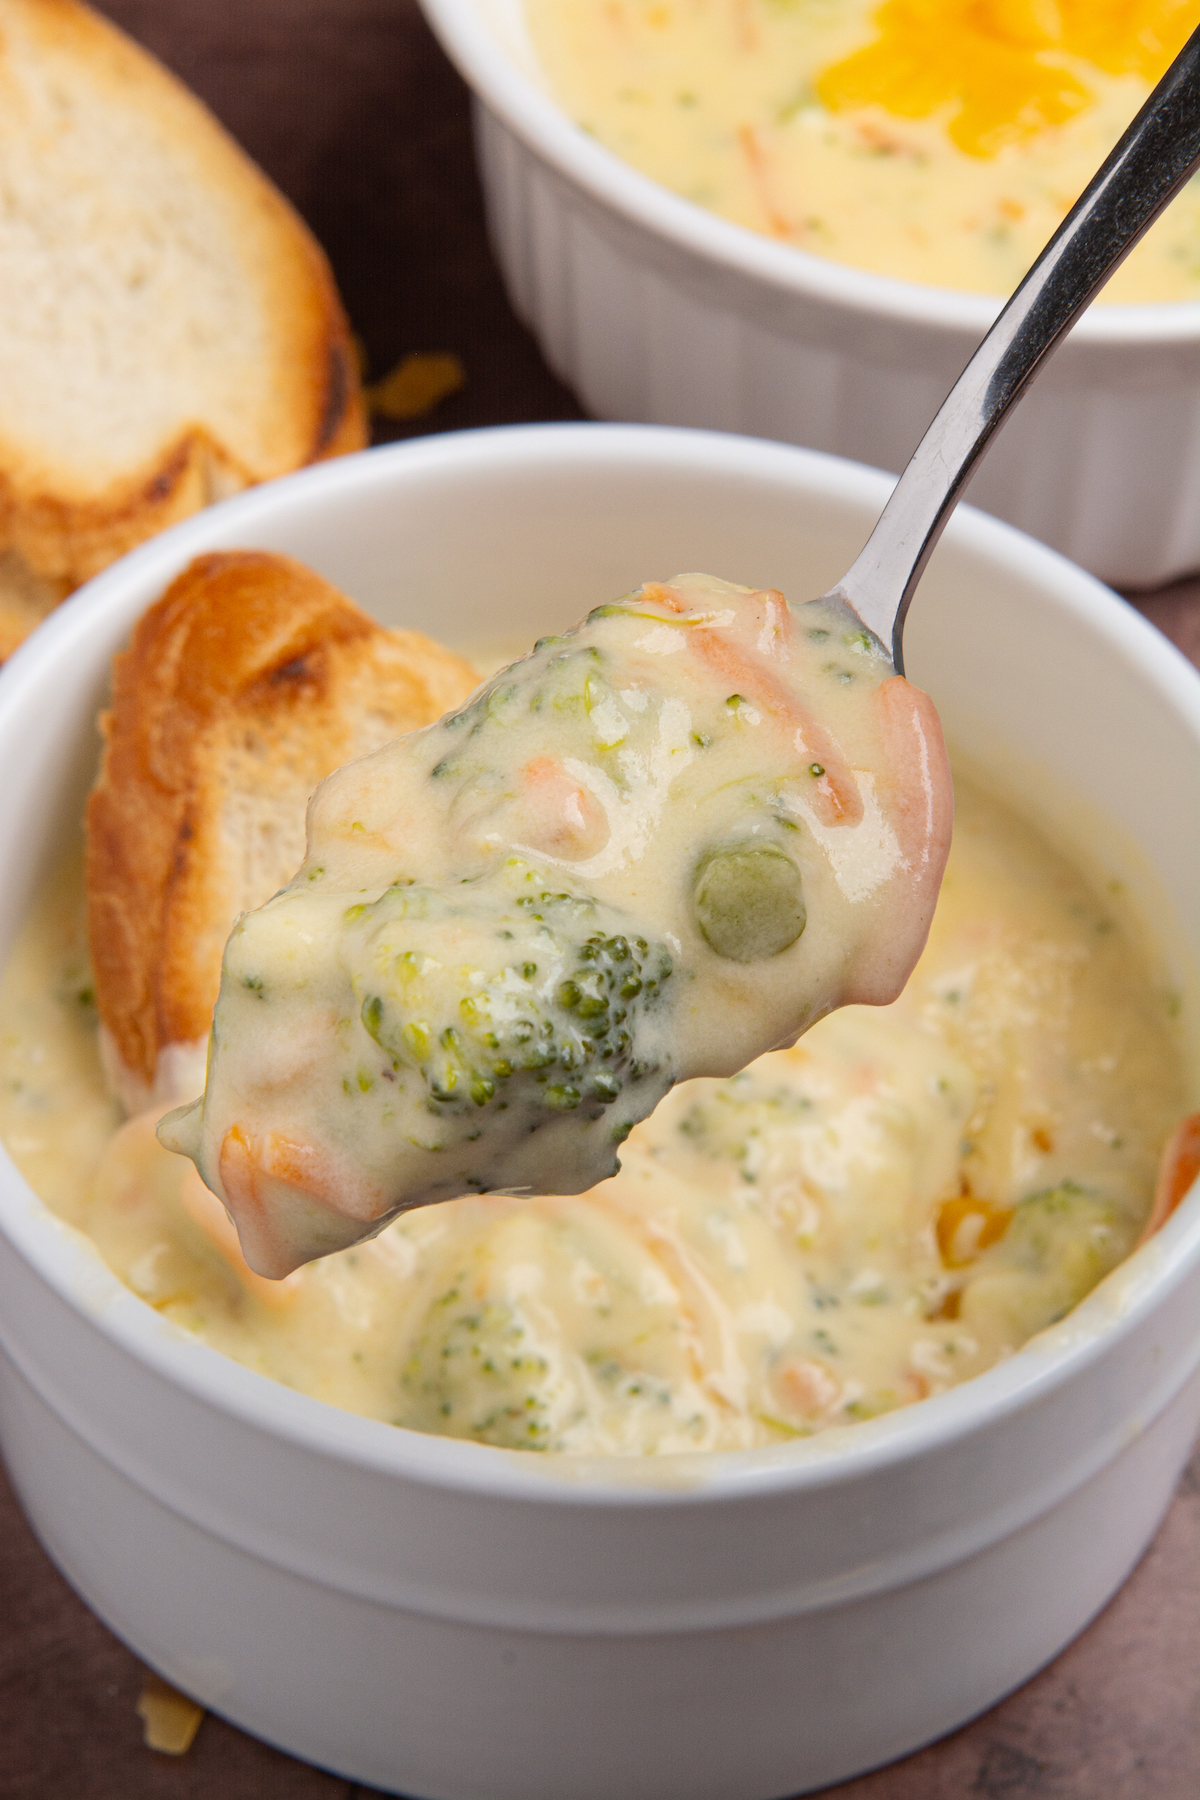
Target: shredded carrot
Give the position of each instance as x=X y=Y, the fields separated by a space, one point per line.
x=760 y=176
x=965 y=1226
x=745 y=26
x=1178 y=1169
x=835 y=795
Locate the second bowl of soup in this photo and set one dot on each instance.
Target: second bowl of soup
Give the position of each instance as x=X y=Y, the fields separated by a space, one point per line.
x=875 y=200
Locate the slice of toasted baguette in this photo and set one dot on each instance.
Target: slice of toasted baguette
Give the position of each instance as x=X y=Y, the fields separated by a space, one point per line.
x=247 y=683
x=169 y=329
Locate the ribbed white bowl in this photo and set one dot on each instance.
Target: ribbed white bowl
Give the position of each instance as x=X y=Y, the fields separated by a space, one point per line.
x=455 y=1622
x=652 y=308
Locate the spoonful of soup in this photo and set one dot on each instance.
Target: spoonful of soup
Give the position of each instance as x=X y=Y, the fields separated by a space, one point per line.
x=656 y=846
x=659 y=845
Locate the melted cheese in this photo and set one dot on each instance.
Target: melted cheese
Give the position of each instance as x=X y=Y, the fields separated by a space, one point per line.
x=937 y=140
x=672 y=838
x=841 y=1229
x=1000 y=71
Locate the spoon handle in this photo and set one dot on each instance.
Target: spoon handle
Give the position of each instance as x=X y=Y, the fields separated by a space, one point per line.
x=1151 y=162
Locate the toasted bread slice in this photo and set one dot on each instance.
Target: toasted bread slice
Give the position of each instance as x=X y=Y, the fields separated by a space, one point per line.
x=169 y=329
x=246 y=684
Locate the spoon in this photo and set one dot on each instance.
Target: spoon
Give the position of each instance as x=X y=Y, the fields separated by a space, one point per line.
x=1157 y=154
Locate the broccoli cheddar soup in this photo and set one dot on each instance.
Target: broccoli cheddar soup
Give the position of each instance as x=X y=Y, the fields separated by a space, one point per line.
x=839 y=1230
x=941 y=141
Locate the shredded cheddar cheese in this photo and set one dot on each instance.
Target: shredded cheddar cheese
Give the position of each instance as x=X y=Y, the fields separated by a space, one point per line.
x=1001 y=70
x=170 y=1720
x=416 y=385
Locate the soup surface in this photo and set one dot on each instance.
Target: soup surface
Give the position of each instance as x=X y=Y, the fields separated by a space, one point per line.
x=841 y=1229
x=941 y=141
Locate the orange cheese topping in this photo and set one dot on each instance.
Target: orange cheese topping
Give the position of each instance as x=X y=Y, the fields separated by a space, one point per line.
x=1002 y=70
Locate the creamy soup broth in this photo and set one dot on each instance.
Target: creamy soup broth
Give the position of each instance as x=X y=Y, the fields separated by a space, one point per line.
x=842 y=1229
x=940 y=141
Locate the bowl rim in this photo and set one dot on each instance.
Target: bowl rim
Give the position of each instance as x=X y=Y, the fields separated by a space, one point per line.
x=544 y=127
x=69 y=1265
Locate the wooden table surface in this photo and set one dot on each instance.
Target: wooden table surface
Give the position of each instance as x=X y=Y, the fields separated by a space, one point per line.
x=350 y=106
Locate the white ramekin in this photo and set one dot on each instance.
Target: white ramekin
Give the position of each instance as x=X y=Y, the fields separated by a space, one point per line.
x=463 y=1623
x=652 y=308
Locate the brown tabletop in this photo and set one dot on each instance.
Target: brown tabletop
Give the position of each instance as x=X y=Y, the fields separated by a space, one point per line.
x=354 y=111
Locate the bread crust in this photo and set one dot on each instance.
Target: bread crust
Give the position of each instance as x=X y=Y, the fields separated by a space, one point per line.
x=244 y=685
x=67 y=521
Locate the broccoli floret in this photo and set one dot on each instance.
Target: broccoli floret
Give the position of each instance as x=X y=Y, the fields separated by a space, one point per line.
x=474 y=1372
x=544 y=1015
x=1059 y=1244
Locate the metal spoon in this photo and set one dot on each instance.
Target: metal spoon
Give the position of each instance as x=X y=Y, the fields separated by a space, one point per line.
x=1157 y=154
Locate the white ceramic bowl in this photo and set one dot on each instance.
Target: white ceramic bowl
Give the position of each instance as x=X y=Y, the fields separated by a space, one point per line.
x=449 y=1620
x=653 y=308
